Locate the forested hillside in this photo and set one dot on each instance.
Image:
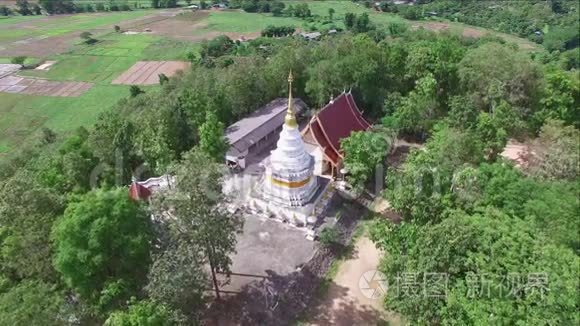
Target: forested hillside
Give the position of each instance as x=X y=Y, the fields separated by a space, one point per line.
x=553 y=23
x=73 y=246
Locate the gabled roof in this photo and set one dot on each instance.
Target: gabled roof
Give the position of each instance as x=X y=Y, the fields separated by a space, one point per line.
x=248 y=131
x=138 y=192
x=336 y=121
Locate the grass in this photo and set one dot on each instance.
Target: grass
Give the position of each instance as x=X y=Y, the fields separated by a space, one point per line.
x=28 y=61
x=24 y=27
x=242 y=22
x=24 y=115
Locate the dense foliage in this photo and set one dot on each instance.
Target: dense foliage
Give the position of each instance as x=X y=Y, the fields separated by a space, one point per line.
x=479 y=239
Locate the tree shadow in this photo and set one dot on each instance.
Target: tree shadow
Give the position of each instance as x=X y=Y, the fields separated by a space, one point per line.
x=281 y=299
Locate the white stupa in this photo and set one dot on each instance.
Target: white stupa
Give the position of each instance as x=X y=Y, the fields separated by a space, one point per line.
x=288 y=178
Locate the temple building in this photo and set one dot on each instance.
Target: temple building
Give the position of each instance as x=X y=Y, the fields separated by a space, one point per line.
x=337 y=120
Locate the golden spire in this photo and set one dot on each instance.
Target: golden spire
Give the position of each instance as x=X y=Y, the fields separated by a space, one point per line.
x=290 y=119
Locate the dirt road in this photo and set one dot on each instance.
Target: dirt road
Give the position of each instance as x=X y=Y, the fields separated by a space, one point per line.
x=345 y=303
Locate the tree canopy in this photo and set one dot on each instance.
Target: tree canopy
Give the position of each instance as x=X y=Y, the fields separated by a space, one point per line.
x=103 y=245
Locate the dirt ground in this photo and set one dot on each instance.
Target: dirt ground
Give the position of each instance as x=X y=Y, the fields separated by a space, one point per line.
x=35 y=86
x=345 y=304
x=147 y=72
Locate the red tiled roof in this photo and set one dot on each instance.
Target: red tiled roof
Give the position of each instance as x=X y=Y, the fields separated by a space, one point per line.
x=337 y=120
x=138 y=192
x=323 y=142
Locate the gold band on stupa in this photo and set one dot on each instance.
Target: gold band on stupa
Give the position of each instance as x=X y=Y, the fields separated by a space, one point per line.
x=290 y=119
x=290 y=184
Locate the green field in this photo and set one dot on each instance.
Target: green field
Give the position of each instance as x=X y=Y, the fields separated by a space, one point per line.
x=54 y=26
x=23 y=115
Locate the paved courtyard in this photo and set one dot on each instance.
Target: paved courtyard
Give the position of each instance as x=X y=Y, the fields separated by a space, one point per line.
x=268 y=245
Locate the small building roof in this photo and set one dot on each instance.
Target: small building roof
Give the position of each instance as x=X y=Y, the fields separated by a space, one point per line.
x=248 y=131
x=138 y=191
x=336 y=121
x=311 y=36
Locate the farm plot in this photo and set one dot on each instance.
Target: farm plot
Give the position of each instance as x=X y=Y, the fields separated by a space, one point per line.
x=34 y=86
x=147 y=72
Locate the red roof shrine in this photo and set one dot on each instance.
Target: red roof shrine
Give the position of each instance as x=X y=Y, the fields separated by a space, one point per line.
x=337 y=120
x=138 y=191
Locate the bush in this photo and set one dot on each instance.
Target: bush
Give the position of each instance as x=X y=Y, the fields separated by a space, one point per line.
x=5 y=11
x=100 y=7
x=277 y=31
x=88 y=38
x=163 y=79
x=329 y=237
x=135 y=90
x=18 y=60
x=117 y=28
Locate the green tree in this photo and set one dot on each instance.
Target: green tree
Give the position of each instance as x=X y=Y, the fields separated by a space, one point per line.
x=27 y=210
x=331 y=12
x=417 y=111
x=349 y=20
x=135 y=90
x=102 y=247
x=32 y=303
x=70 y=169
x=555 y=152
x=421 y=189
x=163 y=79
x=364 y=151
x=277 y=8
x=19 y=60
x=36 y=9
x=200 y=222
x=211 y=137
x=493 y=128
x=5 y=11
x=561 y=99
x=493 y=72
x=23 y=7
x=88 y=38
x=178 y=277
x=142 y=313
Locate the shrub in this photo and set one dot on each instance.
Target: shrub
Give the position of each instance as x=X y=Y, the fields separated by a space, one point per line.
x=135 y=90
x=18 y=60
x=329 y=237
x=5 y=11
x=163 y=79
x=100 y=7
x=117 y=28
x=277 y=31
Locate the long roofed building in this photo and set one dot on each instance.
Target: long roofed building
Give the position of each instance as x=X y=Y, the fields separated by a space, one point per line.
x=336 y=121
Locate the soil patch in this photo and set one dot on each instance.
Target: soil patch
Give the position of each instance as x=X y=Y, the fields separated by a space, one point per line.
x=35 y=86
x=345 y=303
x=147 y=72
